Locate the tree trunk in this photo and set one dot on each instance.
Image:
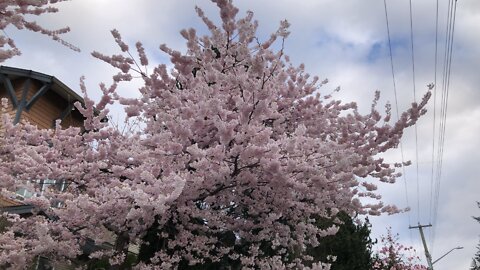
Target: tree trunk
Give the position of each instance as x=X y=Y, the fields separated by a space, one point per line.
x=121 y=247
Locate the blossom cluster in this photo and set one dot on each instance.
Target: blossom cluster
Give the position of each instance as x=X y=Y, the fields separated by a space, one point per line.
x=15 y=13
x=396 y=256
x=237 y=154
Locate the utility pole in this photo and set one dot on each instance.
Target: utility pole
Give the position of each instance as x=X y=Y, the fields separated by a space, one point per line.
x=427 y=254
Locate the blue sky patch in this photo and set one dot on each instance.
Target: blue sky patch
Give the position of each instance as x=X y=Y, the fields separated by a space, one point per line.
x=377 y=51
x=326 y=39
x=380 y=49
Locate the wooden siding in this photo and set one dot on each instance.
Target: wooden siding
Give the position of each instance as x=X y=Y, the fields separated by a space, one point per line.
x=6 y=202
x=45 y=110
x=10 y=110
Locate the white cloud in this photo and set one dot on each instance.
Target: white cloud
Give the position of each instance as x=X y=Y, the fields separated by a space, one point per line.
x=334 y=39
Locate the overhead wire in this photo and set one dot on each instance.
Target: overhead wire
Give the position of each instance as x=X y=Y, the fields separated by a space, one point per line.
x=451 y=19
x=415 y=100
x=404 y=175
x=442 y=122
x=434 y=124
x=438 y=139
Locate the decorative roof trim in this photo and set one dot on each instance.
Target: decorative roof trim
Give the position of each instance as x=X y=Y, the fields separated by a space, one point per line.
x=56 y=85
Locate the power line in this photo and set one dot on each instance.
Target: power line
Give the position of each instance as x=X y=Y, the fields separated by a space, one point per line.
x=415 y=99
x=438 y=140
x=442 y=119
x=451 y=19
x=434 y=121
x=441 y=124
x=396 y=108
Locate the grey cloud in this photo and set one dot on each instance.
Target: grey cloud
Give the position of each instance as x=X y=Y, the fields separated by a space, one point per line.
x=343 y=40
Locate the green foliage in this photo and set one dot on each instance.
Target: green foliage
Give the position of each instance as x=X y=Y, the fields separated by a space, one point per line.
x=476 y=259
x=351 y=245
x=94 y=264
x=3 y=224
x=152 y=243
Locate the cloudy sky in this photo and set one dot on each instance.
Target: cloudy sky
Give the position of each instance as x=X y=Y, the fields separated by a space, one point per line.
x=344 y=41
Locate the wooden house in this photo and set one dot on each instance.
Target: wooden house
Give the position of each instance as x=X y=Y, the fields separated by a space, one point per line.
x=38 y=98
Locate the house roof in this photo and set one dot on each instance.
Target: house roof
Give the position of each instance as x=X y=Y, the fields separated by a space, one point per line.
x=14 y=207
x=6 y=202
x=56 y=85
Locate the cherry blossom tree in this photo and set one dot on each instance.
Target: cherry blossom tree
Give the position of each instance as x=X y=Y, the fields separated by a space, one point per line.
x=109 y=193
x=395 y=256
x=237 y=154
x=16 y=12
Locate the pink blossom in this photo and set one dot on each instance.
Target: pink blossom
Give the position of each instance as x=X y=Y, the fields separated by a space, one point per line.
x=15 y=13
x=233 y=142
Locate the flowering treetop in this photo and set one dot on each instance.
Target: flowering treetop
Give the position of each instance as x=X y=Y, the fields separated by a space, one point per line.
x=235 y=142
x=396 y=256
x=15 y=13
